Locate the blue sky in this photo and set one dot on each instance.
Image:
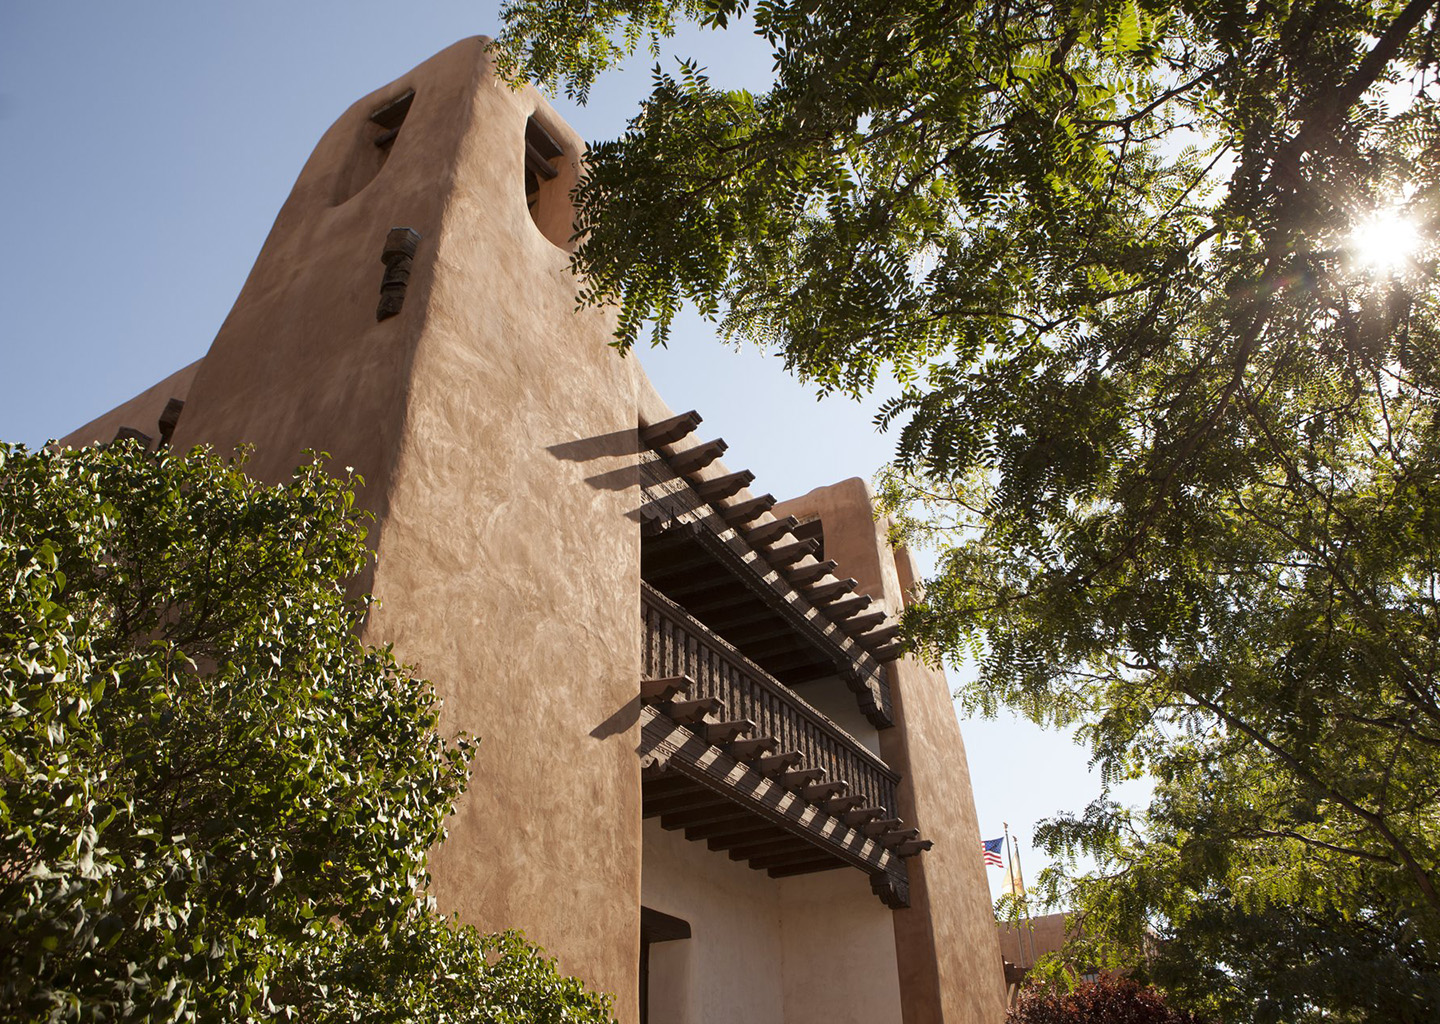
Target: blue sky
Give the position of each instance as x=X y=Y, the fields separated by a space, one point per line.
x=147 y=147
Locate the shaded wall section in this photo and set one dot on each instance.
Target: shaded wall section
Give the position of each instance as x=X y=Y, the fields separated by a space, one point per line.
x=948 y=953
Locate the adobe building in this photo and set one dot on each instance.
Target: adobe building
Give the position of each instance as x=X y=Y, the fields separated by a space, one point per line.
x=708 y=782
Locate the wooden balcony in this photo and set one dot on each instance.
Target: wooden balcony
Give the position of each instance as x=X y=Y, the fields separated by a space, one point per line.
x=737 y=759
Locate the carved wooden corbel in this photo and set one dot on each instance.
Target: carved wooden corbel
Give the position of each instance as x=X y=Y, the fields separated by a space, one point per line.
x=398 y=256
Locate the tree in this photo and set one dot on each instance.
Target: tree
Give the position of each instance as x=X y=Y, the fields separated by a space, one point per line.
x=1107 y=1001
x=217 y=802
x=1167 y=415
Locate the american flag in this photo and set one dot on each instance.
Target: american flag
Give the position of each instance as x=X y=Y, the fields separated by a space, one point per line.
x=991 y=849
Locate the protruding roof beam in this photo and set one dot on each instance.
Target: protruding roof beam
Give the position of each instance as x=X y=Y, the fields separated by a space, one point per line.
x=774 y=764
x=788 y=554
x=880 y=637
x=745 y=511
x=860 y=815
x=671 y=430
x=889 y=652
x=694 y=459
x=809 y=573
x=717 y=733
x=848 y=606
x=655 y=690
x=819 y=791
x=747 y=750
x=823 y=592
x=689 y=712
x=724 y=486
x=913 y=847
x=801 y=777
x=860 y=623
x=771 y=531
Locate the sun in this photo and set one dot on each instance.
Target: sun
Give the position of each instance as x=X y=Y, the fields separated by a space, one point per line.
x=1385 y=241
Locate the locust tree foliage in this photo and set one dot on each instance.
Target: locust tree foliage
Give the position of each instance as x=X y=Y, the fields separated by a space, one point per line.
x=1174 y=438
x=216 y=803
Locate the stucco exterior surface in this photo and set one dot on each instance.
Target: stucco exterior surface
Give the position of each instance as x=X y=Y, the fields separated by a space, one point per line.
x=839 y=947
x=948 y=953
x=730 y=968
x=496 y=433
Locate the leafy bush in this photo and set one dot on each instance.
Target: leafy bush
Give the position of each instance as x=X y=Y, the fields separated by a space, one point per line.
x=1107 y=1001
x=217 y=802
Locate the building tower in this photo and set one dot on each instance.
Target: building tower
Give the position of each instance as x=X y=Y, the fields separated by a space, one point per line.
x=707 y=782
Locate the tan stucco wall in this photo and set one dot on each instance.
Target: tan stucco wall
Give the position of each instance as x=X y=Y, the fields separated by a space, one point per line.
x=949 y=956
x=814 y=949
x=730 y=969
x=839 y=947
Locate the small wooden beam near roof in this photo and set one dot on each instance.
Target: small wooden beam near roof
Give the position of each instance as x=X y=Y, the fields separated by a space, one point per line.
x=838 y=805
x=828 y=591
x=745 y=750
x=130 y=433
x=860 y=623
x=880 y=826
x=860 y=815
x=801 y=777
x=671 y=430
x=536 y=163
x=392 y=114
x=880 y=637
x=744 y=511
x=688 y=712
x=788 y=554
x=809 y=573
x=169 y=418
x=655 y=690
x=774 y=764
x=697 y=458
x=847 y=607
x=889 y=652
x=773 y=530
x=903 y=835
x=913 y=847
x=724 y=486
x=717 y=733
x=818 y=791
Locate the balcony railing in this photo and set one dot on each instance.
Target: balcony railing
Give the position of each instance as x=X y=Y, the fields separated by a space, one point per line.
x=676 y=644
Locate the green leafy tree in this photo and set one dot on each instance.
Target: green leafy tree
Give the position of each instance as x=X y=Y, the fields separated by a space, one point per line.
x=1166 y=413
x=217 y=802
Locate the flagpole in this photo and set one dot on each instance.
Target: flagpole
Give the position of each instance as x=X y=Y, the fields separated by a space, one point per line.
x=1025 y=903
x=1010 y=877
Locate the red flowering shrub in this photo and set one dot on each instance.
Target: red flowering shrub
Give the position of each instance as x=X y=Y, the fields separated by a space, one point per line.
x=1108 y=1001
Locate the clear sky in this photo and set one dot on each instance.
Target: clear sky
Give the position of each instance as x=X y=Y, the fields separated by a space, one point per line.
x=145 y=149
